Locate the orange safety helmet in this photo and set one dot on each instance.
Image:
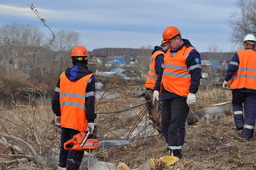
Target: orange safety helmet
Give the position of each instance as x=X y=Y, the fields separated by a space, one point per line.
x=79 y=51
x=170 y=32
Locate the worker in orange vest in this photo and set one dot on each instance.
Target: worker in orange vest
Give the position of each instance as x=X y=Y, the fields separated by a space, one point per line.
x=73 y=103
x=241 y=75
x=153 y=83
x=180 y=82
x=155 y=71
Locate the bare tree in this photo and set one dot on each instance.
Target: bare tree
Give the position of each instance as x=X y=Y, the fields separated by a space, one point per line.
x=214 y=49
x=65 y=41
x=244 y=21
x=21 y=35
x=17 y=41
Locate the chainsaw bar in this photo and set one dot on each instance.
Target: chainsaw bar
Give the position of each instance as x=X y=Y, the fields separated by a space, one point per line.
x=82 y=142
x=113 y=143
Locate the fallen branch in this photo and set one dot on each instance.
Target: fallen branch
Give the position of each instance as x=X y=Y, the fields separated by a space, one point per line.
x=21 y=140
x=16 y=155
x=35 y=157
x=14 y=161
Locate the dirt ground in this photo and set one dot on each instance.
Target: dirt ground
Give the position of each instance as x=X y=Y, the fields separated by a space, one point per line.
x=208 y=146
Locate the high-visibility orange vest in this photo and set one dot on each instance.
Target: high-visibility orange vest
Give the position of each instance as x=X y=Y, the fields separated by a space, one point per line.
x=152 y=76
x=176 y=77
x=245 y=77
x=72 y=102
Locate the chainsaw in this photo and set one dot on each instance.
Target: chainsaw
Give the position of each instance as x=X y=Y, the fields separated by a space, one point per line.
x=84 y=141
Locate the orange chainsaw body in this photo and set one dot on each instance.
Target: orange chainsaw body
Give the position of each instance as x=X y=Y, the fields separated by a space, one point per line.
x=80 y=142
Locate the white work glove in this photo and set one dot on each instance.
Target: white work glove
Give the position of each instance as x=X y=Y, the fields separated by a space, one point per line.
x=191 y=99
x=90 y=127
x=225 y=84
x=57 y=120
x=155 y=96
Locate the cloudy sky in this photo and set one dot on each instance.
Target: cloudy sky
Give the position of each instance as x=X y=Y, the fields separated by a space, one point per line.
x=129 y=23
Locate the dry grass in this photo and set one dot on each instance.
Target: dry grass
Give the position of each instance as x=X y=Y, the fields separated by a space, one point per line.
x=208 y=96
x=125 y=116
x=31 y=130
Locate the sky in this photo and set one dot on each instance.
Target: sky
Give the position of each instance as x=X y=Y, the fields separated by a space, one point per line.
x=129 y=23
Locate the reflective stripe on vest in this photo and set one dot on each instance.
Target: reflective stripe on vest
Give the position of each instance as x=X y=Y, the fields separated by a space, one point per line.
x=72 y=102
x=176 y=76
x=245 y=77
x=152 y=76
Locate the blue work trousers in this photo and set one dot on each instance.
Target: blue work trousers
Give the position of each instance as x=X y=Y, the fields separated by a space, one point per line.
x=246 y=103
x=174 y=115
x=69 y=159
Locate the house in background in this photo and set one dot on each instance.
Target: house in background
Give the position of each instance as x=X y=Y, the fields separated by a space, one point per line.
x=205 y=62
x=94 y=60
x=118 y=70
x=131 y=60
x=118 y=61
x=127 y=73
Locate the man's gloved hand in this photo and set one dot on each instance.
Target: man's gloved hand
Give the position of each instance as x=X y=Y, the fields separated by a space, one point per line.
x=191 y=99
x=90 y=127
x=155 y=96
x=57 y=120
x=225 y=84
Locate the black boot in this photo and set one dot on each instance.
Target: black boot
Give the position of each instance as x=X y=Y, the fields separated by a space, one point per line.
x=239 y=121
x=176 y=152
x=247 y=134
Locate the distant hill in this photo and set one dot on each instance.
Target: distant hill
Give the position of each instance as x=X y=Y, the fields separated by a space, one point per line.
x=137 y=52
x=221 y=56
x=120 y=51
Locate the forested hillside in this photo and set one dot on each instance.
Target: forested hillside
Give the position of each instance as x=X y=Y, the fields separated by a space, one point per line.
x=221 y=56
